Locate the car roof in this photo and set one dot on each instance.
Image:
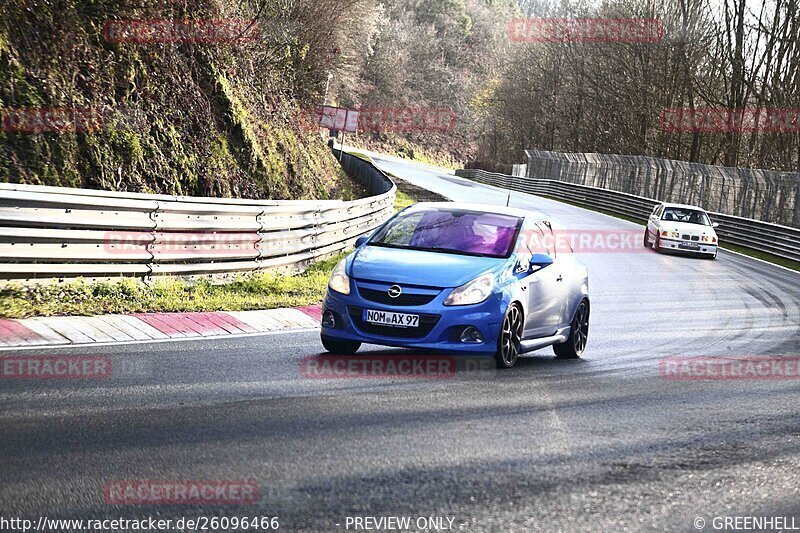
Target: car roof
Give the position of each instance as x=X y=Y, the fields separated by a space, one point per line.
x=486 y=208
x=683 y=206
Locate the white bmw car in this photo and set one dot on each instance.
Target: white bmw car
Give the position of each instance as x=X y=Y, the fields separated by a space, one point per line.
x=681 y=228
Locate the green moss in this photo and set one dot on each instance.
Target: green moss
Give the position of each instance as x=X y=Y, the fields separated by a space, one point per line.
x=400 y=146
x=208 y=127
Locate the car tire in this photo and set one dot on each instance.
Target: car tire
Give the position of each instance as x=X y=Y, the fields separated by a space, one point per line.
x=646 y=240
x=510 y=338
x=340 y=347
x=657 y=243
x=578 y=335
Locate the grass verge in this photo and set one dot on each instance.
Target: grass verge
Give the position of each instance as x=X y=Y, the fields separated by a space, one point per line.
x=263 y=290
x=399 y=146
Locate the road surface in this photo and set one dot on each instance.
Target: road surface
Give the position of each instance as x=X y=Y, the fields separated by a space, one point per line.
x=600 y=444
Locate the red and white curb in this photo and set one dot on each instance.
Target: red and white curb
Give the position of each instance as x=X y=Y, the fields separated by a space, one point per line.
x=64 y=330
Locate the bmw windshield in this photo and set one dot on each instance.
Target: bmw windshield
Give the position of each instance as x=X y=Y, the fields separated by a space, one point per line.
x=456 y=231
x=690 y=216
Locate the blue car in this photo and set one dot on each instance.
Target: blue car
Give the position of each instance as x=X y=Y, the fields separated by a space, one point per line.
x=466 y=278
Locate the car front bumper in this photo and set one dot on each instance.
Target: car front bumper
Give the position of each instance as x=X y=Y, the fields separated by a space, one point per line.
x=440 y=325
x=675 y=245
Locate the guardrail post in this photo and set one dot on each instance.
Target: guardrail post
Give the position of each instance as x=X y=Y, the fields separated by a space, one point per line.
x=796 y=216
x=150 y=245
x=702 y=191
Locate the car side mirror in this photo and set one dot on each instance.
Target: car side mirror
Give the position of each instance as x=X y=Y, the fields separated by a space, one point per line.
x=715 y=224
x=361 y=240
x=539 y=261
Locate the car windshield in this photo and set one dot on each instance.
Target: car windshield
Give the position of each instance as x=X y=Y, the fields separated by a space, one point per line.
x=690 y=216
x=455 y=231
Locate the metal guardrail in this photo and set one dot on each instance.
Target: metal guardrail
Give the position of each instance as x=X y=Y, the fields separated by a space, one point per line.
x=782 y=241
x=54 y=233
x=759 y=194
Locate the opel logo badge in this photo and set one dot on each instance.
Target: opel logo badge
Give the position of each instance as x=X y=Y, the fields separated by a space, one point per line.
x=394 y=291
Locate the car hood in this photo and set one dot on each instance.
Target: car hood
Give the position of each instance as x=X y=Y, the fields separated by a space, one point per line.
x=685 y=227
x=416 y=267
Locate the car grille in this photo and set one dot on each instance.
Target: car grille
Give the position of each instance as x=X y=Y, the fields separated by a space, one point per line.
x=382 y=297
x=687 y=237
x=411 y=295
x=426 y=324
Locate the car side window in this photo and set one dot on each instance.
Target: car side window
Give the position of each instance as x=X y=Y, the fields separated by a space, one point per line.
x=562 y=239
x=538 y=238
x=547 y=242
x=522 y=247
x=527 y=237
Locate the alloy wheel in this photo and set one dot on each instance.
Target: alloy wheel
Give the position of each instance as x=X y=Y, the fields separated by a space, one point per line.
x=580 y=326
x=511 y=336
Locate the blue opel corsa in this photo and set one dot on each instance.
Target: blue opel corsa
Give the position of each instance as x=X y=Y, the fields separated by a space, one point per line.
x=470 y=278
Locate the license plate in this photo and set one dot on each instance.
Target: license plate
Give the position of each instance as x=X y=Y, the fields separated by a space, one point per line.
x=387 y=318
x=690 y=245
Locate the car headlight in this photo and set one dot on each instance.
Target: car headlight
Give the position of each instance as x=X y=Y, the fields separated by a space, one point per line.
x=708 y=238
x=670 y=234
x=472 y=292
x=339 y=282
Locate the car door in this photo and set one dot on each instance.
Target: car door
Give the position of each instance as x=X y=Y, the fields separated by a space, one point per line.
x=652 y=223
x=545 y=287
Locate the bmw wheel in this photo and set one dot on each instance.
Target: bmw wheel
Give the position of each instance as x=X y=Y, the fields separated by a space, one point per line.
x=508 y=343
x=578 y=335
x=340 y=347
x=657 y=243
x=646 y=241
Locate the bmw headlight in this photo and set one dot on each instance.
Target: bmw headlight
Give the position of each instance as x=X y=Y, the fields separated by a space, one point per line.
x=339 y=282
x=472 y=292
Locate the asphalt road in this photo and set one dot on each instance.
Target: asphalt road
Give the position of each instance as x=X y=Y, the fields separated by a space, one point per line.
x=600 y=444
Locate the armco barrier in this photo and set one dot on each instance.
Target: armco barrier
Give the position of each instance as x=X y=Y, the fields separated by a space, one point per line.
x=782 y=241
x=758 y=194
x=54 y=233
